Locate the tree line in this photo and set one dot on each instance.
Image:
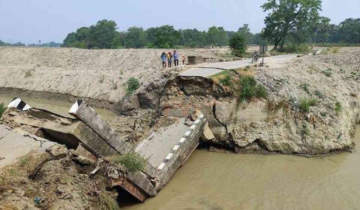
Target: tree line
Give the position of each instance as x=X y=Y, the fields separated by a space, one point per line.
x=19 y=44
x=104 y=35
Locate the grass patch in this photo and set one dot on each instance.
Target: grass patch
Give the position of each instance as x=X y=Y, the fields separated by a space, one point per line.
x=250 y=89
x=327 y=72
x=132 y=162
x=338 y=107
x=107 y=202
x=305 y=104
x=132 y=85
x=2 y=109
x=305 y=87
x=226 y=80
x=305 y=130
x=296 y=48
x=24 y=161
x=330 y=50
x=319 y=94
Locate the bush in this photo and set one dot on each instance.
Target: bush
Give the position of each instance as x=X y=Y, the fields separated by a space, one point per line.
x=295 y=48
x=305 y=104
x=226 y=80
x=327 y=73
x=330 y=50
x=250 y=89
x=2 y=109
x=338 y=107
x=132 y=85
x=132 y=162
x=305 y=87
x=237 y=45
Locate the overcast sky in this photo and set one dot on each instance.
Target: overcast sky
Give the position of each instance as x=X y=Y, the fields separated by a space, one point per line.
x=28 y=21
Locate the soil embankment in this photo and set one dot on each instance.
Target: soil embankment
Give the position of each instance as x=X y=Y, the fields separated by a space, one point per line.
x=312 y=107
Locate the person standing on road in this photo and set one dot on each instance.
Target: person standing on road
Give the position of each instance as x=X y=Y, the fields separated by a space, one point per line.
x=163 y=58
x=183 y=59
x=169 y=58
x=176 y=58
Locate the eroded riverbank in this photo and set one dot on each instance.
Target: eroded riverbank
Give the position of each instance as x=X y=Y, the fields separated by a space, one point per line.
x=227 y=181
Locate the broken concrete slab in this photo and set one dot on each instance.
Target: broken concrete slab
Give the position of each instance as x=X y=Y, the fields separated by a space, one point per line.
x=70 y=132
x=86 y=114
x=158 y=145
x=140 y=179
x=15 y=145
x=180 y=152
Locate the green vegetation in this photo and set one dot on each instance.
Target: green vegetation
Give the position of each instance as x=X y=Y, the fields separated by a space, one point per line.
x=305 y=130
x=330 y=50
x=250 y=89
x=327 y=72
x=305 y=104
x=103 y=35
x=238 y=45
x=296 y=48
x=290 y=20
x=226 y=80
x=338 y=107
x=305 y=87
x=24 y=161
x=2 y=109
x=132 y=162
x=132 y=85
x=319 y=94
x=289 y=24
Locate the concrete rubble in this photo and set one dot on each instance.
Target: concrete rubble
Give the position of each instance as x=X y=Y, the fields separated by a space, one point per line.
x=91 y=139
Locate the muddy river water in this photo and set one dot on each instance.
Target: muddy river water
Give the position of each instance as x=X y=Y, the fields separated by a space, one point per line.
x=213 y=181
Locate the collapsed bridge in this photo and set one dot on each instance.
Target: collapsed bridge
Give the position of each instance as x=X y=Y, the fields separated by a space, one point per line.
x=165 y=150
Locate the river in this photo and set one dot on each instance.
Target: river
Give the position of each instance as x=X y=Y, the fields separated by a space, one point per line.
x=215 y=181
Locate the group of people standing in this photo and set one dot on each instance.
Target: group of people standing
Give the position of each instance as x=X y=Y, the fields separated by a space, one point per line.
x=170 y=57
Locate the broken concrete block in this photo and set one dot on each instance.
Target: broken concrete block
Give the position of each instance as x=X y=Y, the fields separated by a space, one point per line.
x=207 y=134
x=140 y=179
x=81 y=150
x=71 y=133
x=86 y=114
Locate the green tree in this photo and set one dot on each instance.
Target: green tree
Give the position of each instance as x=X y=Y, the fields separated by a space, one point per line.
x=103 y=35
x=192 y=38
x=163 y=37
x=349 y=31
x=217 y=36
x=135 y=38
x=237 y=44
x=288 y=16
x=245 y=31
